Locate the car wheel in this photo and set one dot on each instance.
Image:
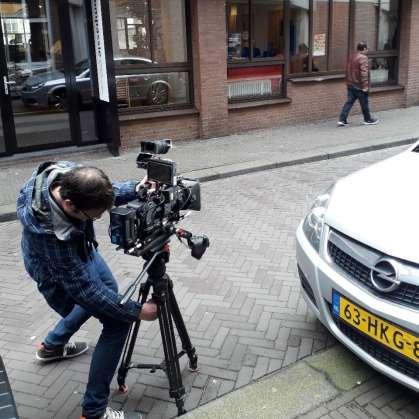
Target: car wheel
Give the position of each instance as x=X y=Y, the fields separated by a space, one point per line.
x=59 y=100
x=158 y=94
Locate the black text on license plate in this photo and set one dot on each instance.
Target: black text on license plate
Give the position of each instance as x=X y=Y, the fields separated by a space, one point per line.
x=388 y=334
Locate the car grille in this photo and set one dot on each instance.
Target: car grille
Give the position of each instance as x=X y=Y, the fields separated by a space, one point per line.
x=306 y=286
x=379 y=352
x=406 y=294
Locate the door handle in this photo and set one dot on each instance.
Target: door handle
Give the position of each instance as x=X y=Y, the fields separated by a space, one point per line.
x=6 y=84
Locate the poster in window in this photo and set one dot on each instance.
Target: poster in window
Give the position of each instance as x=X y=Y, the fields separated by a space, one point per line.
x=319 y=45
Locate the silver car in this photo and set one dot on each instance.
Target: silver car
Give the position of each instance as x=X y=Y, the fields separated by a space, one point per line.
x=358 y=261
x=48 y=89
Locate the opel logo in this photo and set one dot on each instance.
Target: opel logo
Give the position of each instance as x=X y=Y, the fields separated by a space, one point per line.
x=384 y=275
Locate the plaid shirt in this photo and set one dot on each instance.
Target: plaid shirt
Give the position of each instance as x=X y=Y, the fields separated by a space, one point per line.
x=61 y=274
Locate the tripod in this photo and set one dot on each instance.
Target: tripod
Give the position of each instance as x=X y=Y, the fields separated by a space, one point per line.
x=168 y=312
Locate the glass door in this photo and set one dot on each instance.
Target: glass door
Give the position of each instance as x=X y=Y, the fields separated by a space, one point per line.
x=36 y=83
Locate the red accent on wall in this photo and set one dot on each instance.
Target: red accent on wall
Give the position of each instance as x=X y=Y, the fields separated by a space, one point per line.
x=254 y=72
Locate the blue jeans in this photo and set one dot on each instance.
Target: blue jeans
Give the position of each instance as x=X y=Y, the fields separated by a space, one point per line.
x=108 y=349
x=354 y=94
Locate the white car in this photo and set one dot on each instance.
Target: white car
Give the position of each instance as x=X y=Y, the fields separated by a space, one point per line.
x=358 y=261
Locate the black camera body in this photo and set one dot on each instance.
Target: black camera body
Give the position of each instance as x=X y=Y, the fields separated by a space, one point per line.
x=159 y=202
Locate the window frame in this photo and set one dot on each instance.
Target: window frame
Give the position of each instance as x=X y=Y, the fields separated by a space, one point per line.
x=374 y=53
x=262 y=62
x=175 y=67
x=310 y=72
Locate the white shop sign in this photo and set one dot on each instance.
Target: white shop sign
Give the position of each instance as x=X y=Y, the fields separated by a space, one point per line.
x=102 y=74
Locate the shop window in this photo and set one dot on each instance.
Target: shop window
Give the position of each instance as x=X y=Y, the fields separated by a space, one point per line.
x=152 y=63
x=377 y=23
x=319 y=33
x=255 y=49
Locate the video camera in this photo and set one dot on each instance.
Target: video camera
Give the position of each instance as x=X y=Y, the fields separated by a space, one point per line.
x=138 y=225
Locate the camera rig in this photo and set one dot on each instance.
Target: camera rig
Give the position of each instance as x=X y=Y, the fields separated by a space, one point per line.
x=143 y=228
x=160 y=200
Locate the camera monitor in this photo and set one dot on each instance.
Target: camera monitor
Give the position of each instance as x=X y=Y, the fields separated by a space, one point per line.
x=162 y=171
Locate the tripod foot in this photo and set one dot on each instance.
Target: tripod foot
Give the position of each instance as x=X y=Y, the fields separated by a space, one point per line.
x=196 y=369
x=180 y=409
x=193 y=363
x=123 y=389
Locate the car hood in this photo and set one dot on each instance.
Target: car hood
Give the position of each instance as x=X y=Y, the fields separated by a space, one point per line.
x=44 y=77
x=379 y=206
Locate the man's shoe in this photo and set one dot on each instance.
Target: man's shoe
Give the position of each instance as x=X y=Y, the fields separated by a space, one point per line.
x=116 y=414
x=372 y=121
x=69 y=350
x=342 y=123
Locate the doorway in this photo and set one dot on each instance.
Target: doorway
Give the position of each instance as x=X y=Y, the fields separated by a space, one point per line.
x=45 y=85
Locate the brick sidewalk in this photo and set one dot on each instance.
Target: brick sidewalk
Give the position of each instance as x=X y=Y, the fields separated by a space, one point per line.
x=241 y=302
x=232 y=155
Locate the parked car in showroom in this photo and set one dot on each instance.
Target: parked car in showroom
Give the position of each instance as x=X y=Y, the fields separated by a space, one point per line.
x=358 y=262
x=49 y=89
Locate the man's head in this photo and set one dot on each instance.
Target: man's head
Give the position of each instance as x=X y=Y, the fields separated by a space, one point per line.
x=86 y=193
x=362 y=47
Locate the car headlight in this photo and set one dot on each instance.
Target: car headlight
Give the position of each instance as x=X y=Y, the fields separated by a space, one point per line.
x=314 y=222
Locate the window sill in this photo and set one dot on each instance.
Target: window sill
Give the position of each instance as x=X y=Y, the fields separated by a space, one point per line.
x=316 y=79
x=388 y=88
x=124 y=117
x=257 y=103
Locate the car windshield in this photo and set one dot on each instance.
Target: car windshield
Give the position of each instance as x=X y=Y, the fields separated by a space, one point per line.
x=81 y=67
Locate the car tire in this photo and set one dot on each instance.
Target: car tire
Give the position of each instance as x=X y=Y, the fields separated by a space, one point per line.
x=58 y=100
x=158 y=93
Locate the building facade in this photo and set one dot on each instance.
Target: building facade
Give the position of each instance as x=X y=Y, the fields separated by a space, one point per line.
x=80 y=72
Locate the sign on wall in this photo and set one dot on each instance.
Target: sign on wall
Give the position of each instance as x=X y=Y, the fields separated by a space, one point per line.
x=319 y=44
x=102 y=73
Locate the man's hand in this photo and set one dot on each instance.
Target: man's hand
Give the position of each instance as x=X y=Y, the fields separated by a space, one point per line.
x=365 y=90
x=148 y=311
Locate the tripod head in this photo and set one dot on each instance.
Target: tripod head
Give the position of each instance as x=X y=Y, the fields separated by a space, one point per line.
x=157 y=245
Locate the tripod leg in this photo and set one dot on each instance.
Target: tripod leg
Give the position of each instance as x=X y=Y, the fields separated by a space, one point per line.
x=177 y=390
x=130 y=343
x=183 y=333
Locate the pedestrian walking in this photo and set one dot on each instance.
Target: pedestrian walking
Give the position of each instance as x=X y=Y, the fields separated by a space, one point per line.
x=357 y=80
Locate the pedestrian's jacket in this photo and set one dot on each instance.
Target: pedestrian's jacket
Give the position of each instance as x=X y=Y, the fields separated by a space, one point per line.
x=60 y=265
x=357 y=72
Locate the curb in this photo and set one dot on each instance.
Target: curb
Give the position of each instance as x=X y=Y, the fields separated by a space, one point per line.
x=11 y=215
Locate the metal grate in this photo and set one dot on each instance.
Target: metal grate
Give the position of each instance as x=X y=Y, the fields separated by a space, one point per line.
x=242 y=88
x=406 y=294
x=379 y=352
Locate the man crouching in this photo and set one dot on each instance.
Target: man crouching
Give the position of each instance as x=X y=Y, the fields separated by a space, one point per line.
x=57 y=207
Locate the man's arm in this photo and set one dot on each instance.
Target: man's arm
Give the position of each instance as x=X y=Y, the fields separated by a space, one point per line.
x=93 y=295
x=124 y=191
x=364 y=72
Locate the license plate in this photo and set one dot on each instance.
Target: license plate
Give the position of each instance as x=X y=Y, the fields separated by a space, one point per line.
x=388 y=334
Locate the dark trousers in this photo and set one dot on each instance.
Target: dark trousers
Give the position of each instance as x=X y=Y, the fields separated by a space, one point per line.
x=354 y=94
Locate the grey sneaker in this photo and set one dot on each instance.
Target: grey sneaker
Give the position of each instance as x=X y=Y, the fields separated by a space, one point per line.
x=69 y=350
x=119 y=414
x=372 y=121
x=342 y=123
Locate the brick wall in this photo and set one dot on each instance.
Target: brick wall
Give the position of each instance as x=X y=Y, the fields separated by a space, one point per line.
x=410 y=51
x=210 y=65
x=309 y=101
x=177 y=128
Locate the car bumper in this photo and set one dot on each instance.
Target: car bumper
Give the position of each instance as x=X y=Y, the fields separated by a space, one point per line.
x=319 y=279
x=34 y=98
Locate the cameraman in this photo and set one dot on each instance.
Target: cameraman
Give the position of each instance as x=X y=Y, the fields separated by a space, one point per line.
x=57 y=207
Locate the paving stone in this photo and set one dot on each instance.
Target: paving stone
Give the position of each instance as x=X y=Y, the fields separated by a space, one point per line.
x=242 y=304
